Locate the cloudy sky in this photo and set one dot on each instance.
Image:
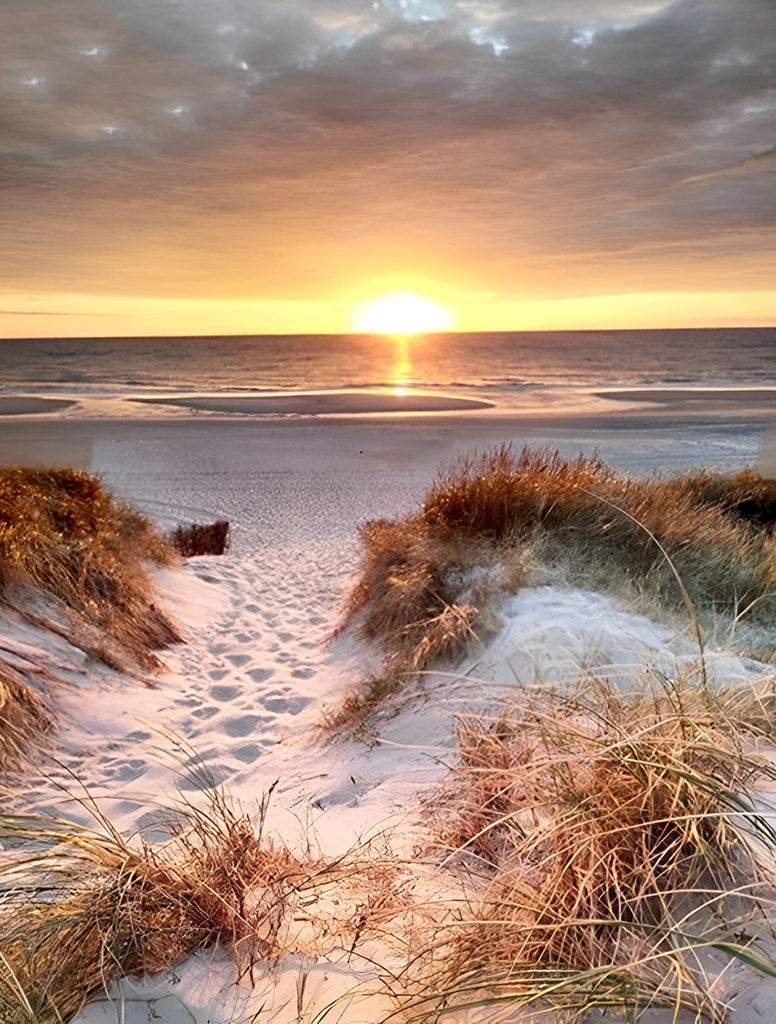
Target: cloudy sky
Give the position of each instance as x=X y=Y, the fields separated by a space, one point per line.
x=276 y=161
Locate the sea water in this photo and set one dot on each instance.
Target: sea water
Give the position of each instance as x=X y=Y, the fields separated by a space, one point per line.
x=500 y=367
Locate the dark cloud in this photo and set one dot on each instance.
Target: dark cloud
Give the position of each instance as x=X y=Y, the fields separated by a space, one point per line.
x=276 y=145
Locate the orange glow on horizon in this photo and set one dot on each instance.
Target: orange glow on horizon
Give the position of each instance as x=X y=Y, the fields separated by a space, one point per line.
x=80 y=315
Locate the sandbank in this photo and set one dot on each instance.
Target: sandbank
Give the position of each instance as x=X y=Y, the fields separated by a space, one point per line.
x=698 y=400
x=19 y=405
x=310 y=403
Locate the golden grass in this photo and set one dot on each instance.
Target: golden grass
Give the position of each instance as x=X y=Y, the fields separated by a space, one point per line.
x=79 y=907
x=604 y=524
x=24 y=719
x=63 y=535
x=620 y=845
x=198 y=539
x=699 y=540
x=421 y=596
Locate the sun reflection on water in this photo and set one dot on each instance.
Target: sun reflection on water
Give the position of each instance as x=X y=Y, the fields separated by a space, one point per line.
x=402 y=365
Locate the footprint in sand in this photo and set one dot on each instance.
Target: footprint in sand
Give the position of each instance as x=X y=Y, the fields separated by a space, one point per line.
x=303 y=673
x=248 y=753
x=281 y=703
x=238 y=660
x=223 y=694
x=245 y=725
x=130 y=771
x=205 y=712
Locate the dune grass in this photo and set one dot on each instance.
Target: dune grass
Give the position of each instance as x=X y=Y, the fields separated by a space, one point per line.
x=200 y=539
x=699 y=541
x=624 y=860
x=81 y=906
x=24 y=719
x=63 y=535
x=603 y=525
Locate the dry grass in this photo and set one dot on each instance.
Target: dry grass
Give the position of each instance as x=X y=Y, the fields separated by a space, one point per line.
x=418 y=589
x=24 y=719
x=603 y=525
x=620 y=845
x=425 y=580
x=422 y=595
x=79 y=907
x=197 y=539
x=64 y=536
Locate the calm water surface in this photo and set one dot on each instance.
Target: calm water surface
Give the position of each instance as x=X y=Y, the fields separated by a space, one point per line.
x=492 y=365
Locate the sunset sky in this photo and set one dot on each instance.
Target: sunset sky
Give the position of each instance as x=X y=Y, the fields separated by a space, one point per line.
x=219 y=166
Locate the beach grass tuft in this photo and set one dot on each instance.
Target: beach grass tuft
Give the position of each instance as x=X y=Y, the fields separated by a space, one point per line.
x=624 y=861
x=24 y=718
x=62 y=535
x=81 y=906
x=603 y=525
x=198 y=539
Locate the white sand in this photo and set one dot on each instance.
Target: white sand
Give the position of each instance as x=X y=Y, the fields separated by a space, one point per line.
x=240 y=702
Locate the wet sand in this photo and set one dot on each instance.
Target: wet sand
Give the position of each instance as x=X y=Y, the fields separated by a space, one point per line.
x=320 y=402
x=13 y=405
x=309 y=475
x=700 y=400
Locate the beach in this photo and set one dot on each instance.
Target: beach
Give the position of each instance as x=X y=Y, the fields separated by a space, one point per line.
x=240 y=704
x=387 y=512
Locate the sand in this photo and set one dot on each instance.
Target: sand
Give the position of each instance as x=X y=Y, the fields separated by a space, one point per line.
x=241 y=702
x=315 y=403
x=189 y=444
x=686 y=402
x=13 y=405
x=563 y=405
x=742 y=396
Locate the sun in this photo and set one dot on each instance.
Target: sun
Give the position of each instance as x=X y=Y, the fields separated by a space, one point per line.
x=401 y=313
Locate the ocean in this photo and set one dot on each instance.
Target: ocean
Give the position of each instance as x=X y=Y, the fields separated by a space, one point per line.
x=500 y=367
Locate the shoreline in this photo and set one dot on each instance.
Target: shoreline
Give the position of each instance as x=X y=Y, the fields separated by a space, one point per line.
x=697 y=401
x=679 y=395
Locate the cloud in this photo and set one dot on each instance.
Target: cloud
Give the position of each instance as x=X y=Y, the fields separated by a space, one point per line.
x=159 y=145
